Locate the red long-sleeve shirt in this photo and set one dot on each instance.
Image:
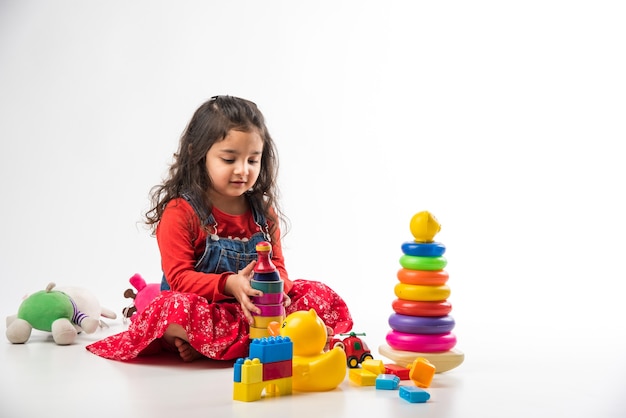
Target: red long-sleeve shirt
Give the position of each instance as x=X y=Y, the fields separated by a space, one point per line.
x=182 y=242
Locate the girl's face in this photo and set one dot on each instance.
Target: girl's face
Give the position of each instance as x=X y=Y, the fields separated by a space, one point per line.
x=233 y=165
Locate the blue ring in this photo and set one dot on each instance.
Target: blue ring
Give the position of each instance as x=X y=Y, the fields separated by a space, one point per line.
x=423 y=249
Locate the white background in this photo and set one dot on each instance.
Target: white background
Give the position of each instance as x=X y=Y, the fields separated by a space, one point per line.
x=506 y=120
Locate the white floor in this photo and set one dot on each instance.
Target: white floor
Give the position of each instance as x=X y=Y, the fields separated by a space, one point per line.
x=40 y=378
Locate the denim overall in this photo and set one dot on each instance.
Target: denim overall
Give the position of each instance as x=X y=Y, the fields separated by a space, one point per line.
x=224 y=254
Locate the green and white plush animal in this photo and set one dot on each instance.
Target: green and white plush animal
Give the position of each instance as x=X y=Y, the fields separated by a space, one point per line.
x=64 y=313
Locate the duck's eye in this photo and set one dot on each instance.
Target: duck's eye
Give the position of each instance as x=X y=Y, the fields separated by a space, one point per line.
x=284 y=324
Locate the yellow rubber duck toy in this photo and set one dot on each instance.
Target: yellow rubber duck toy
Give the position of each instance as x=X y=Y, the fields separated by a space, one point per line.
x=313 y=369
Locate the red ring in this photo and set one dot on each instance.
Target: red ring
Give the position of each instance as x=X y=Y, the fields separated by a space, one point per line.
x=421 y=308
x=423 y=277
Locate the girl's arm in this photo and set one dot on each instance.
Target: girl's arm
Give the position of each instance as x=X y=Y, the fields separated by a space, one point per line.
x=181 y=241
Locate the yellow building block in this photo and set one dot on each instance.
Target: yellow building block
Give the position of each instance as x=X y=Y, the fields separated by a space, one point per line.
x=375 y=366
x=247 y=392
x=362 y=377
x=250 y=392
x=251 y=371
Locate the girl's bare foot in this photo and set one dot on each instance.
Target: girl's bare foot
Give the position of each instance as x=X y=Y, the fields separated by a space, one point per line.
x=186 y=351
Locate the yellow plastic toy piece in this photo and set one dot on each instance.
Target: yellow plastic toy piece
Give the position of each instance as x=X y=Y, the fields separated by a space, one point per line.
x=362 y=377
x=313 y=369
x=422 y=372
x=250 y=392
x=424 y=226
x=422 y=293
x=252 y=371
x=375 y=366
x=252 y=386
x=259 y=333
x=264 y=321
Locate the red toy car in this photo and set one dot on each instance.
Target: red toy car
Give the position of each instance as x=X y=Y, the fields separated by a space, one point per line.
x=355 y=348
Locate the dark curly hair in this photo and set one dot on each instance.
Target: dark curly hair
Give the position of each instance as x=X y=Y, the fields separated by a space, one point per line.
x=210 y=123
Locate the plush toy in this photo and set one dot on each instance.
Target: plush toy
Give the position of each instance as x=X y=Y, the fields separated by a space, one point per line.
x=63 y=313
x=146 y=292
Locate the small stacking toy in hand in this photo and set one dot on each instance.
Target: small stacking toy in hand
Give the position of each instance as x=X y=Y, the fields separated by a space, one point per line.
x=267 y=280
x=421 y=325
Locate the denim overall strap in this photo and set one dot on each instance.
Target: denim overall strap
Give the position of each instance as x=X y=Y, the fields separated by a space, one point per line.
x=225 y=254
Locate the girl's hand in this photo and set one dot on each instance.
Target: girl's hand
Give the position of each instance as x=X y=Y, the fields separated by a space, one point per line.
x=286 y=300
x=238 y=286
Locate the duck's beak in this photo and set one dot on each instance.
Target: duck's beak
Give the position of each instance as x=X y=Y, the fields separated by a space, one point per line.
x=274 y=328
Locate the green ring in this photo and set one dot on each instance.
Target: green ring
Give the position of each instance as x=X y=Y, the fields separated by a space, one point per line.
x=275 y=286
x=413 y=262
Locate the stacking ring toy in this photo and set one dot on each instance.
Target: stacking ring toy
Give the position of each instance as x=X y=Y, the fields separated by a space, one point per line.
x=268 y=299
x=265 y=321
x=421 y=324
x=423 y=277
x=423 y=249
x=421 y=308
x=267 y=287
x=413 y=262
x=271 y=310
x=272 y=276
x=424 y=343
x=259 y=333
x=424 y=293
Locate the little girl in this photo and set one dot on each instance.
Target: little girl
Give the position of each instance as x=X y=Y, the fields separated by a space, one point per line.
x=217 y=203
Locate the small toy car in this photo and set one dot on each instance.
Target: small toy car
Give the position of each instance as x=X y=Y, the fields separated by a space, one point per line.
x=355 y=348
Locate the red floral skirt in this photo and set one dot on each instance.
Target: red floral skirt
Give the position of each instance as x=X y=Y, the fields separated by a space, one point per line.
x=217 y=330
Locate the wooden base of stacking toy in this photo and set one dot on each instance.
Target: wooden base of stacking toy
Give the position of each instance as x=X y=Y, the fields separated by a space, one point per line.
x=443 y=362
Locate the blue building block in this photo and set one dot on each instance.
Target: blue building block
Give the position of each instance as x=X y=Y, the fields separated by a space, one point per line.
x=387 y=381
x=414 y=394
x=271 y=349
x=237 y=370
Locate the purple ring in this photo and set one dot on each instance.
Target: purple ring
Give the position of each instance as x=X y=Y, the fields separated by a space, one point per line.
x=421 y=324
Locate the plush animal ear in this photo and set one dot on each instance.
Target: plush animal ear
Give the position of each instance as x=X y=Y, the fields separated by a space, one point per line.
x=137 y=281
x=129 y=311
x=130 y=294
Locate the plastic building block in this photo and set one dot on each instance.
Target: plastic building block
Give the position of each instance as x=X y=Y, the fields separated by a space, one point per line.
x=254 y=391
x=362 y=377
x=401 y=372
x=422 y=372
x=271 y=349
x=374 y=366
x=268 y=370
x=414 y=394
x=277 y=369
x=387 y=381
x=251 y=371
x=237 y=370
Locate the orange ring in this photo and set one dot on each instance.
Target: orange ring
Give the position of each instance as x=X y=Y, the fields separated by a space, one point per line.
x=423 y=277
x=421 y=308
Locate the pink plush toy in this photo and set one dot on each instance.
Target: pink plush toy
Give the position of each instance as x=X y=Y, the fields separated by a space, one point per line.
x=144 y=295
